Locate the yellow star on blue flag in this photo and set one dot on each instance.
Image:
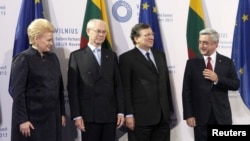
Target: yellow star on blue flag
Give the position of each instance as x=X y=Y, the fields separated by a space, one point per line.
x=148 y=15
x=241 y=50
x=30 y=10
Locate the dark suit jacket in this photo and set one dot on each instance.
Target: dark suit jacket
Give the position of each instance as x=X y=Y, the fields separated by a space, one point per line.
x=95 y=93
x=147 y=93
x=200 y=95
x=37 y=92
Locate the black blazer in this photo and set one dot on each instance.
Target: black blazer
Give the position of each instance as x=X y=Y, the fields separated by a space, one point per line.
x=95 y=93
x=200 y=95
x=38 y=97
x=147 y=93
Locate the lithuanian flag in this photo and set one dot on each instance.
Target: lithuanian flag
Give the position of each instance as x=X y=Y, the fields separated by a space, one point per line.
x=95 y=9
x=195 y=23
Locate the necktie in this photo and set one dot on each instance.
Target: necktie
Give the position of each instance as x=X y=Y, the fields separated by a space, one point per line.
x=97 y=52
x=151 y=62
x=209 y=65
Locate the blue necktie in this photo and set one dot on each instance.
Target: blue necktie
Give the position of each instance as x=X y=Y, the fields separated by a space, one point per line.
x=97 y=53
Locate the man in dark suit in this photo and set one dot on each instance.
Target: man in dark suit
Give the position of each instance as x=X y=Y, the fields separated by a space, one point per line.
x=94 y=85
x=206 y=82
x=147 y=88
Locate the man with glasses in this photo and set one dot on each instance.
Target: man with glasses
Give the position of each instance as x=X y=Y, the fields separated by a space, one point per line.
x=94 y=87
x=207 y=80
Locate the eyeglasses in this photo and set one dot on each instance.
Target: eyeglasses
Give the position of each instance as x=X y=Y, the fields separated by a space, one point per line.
x=205 y=43
x=99 y=31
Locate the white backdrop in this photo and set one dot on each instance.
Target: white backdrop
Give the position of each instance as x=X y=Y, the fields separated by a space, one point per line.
x=67 y=17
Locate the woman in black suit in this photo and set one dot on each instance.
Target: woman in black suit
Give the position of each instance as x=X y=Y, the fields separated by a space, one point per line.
x=147 y=87
x=205 y=87
x=38 y=111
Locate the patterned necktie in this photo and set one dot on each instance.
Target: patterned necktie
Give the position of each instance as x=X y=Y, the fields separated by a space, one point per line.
x=209 y=65
x=151 y=62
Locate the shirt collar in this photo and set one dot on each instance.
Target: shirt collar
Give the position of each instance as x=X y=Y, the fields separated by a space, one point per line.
x=212 y=56
x=93 y=47
x=144 y=52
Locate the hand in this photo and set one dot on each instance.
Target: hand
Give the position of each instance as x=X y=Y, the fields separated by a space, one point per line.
x=25 y=128
x=210 y=75
x=79 y=123
x=120 y=120
x=130 y=123
x=191 y=122
x=63 y=121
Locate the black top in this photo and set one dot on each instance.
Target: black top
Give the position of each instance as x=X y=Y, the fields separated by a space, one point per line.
x=37 y=91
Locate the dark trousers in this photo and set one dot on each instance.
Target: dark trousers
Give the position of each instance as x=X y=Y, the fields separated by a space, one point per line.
x=131 y=136
x=200 y=132
x=158 y=132
x=99 y=132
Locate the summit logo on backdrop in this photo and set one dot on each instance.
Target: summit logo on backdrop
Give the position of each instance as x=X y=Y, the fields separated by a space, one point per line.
x=121 y=11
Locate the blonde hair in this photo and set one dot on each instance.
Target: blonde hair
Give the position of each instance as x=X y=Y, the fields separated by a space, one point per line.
x=37 y=28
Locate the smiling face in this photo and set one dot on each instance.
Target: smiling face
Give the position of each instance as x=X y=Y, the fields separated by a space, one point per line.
x=40 y=33
x=206 y=46
x=145 y=40
x=44 y=42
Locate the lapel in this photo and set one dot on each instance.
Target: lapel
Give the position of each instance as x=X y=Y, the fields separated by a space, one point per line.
x=218 y=67
x=88 y=63
x=200 y=66
x=106 y=61
x=142 y=59
x=90 y=58
x=158 y=61
x=201 y=62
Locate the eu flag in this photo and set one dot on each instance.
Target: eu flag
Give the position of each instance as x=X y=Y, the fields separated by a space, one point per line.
x=30 y=10
x=148 y=15
x=241 y=49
